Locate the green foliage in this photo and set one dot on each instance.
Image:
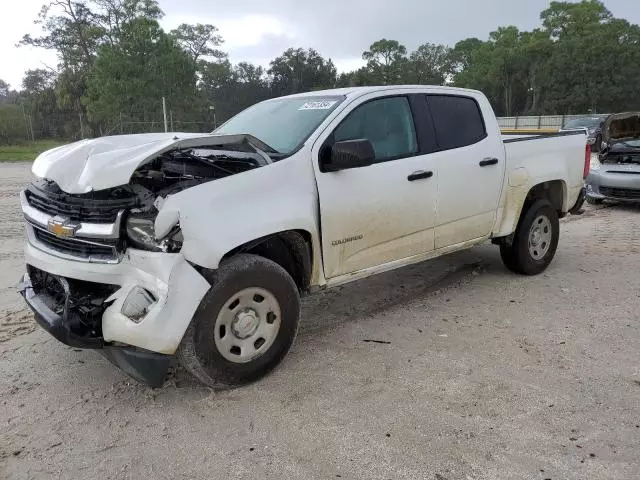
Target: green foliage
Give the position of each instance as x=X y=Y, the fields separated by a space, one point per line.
x=131 y=78
x=13 y=124
x=582 y=60
x=199 y=40
x=299 y=70
x=430 y=64
x=26 y=151
x=386 y=62
x=116 y=63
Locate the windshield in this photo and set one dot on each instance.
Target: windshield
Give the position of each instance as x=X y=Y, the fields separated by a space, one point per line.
x=629 y=143
x=284 y=123
x=587 y=122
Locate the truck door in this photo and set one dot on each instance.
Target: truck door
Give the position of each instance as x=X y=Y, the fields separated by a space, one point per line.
x=374 y=215
x=470 y=161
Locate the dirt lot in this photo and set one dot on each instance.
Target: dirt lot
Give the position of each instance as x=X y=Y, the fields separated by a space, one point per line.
x=482 y=375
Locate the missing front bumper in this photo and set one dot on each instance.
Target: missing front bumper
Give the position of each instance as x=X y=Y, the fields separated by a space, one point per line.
x=142 y=365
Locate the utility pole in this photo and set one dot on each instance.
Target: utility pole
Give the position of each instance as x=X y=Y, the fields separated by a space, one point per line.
x=171 y=120
x=81 y=125
x=33 y=137
x=164 y=113
x=213 y=109
x=26 y=122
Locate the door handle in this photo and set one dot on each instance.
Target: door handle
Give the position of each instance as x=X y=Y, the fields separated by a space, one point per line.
x=488 y=161
x=420 y=174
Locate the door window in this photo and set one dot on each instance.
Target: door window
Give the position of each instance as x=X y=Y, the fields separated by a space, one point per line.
x=457 y=120
x=387 y=123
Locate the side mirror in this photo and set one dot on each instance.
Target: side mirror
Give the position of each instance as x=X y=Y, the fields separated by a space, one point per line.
x=350 y=154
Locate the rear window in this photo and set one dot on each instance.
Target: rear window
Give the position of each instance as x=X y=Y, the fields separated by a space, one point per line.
x=589 y=122
x=457 y=120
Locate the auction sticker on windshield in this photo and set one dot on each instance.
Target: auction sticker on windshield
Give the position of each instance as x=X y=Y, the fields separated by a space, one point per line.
x=318 y=105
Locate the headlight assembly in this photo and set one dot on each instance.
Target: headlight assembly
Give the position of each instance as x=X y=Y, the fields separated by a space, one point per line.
x=141 y=234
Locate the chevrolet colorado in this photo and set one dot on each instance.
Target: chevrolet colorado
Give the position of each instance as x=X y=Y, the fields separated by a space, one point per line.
x=155 y=246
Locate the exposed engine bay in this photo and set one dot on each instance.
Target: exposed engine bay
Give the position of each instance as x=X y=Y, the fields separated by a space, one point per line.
x=625 y=152
x=177 y=170
x=134 y=206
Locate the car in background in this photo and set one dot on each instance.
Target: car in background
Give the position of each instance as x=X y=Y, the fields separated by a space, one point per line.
x=615 y=172
x=591 y=125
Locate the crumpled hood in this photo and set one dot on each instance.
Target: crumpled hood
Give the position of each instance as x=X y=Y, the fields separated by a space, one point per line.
x=105 y=162
x=621 y=126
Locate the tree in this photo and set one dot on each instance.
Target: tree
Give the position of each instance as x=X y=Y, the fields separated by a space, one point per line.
x=131 y=77
x=76 y=29
x=386 y=61
x=430 y=65
x=567 y=18
x=199 y=40
x=299 y=70
x=505 y=67
x=4 y=89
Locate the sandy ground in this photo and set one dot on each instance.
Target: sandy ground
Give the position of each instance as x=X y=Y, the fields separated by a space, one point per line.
x=483 y=375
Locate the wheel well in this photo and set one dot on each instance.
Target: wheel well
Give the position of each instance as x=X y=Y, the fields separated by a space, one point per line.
x=291 y=250
x=552 y=191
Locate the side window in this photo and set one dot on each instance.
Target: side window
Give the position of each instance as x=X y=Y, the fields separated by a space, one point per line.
x=387 y=123
x=457 y=120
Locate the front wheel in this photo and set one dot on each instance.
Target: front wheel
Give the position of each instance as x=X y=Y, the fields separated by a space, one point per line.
x=535 y=240
x=245 y=324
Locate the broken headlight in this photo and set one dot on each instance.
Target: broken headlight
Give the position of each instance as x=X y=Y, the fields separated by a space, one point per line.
x=141 y=234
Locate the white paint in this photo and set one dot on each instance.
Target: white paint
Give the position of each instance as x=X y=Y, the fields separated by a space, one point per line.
x=175 y=283
x=388 y=222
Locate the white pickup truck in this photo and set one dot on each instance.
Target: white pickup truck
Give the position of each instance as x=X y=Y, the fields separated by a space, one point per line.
x=155 y=246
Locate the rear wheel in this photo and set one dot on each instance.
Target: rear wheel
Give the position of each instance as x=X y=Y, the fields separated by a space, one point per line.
x=535 y=240
x=244 y=326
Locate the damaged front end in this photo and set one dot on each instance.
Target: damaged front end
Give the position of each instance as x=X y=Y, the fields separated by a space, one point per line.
x=171 y=173
x=99 y=275
x=615 y=173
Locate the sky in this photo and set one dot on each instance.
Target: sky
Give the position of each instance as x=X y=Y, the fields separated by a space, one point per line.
x=257 y=30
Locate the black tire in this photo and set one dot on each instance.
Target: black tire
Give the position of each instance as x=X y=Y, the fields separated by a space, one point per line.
x=198 y=352
x=594 y=201
x=516 y=256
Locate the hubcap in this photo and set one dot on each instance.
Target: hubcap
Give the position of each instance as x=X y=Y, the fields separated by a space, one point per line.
x=540 y=236
x=247 y=325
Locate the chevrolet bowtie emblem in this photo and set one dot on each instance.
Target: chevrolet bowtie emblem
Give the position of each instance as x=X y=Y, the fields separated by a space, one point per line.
x=62 y=226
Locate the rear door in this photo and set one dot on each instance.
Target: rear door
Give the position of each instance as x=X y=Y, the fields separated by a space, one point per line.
x=374 y=215
x=470 y=164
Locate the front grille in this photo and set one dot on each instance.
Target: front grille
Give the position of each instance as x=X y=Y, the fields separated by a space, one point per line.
x=75 y=212
x=93 y=207
x=77 y=247
x=628 y=193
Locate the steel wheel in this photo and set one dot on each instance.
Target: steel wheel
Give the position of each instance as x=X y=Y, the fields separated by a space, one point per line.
x=247 y=325
x=540 y=235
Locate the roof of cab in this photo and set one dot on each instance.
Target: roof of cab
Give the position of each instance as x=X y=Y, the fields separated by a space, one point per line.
x=359 y=91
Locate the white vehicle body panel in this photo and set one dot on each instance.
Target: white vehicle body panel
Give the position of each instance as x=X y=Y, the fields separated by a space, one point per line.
x=468 y=193
x=178 y=287
x=101 y=163
x=394 y=222
x=533 y=162
x=218 y=216
x=395 y=218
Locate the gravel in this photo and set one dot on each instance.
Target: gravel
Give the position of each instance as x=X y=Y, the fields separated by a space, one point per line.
x=452 y=369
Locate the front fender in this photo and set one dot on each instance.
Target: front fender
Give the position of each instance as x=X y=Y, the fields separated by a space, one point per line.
x=220 y=215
